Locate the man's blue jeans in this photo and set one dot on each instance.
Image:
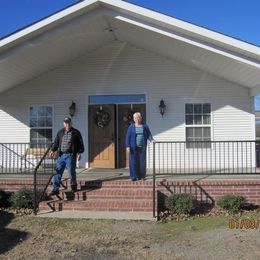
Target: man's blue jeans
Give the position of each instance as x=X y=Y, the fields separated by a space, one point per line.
x=68 y=161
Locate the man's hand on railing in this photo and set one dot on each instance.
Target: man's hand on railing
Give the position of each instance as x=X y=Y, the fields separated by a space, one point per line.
x=51 y=154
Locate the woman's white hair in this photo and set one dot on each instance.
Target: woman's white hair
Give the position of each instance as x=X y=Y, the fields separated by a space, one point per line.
x=137 y=114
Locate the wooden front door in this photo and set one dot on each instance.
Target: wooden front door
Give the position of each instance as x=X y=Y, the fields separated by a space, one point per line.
x=124 y=115
x=102 y=136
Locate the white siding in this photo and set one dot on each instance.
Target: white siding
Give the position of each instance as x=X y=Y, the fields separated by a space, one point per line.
x=119 y=68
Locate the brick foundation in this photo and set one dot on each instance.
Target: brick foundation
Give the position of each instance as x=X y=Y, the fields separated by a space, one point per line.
x=124 y=195
x=13 y=185
x=211 y=189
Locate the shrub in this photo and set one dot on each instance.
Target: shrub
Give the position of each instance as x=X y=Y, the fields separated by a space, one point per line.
x=231 y=203
x=181 y=203
x=5 y=199
x=23 y=199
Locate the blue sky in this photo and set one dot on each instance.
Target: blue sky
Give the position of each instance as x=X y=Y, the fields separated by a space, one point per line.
x=236 y=18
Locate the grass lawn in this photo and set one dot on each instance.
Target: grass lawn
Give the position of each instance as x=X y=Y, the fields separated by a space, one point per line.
x=30 y=237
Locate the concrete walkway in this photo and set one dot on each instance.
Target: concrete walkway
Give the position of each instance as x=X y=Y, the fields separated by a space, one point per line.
x=97 y=215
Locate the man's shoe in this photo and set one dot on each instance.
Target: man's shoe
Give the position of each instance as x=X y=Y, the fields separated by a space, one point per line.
x=74 y=189
x=54 y=192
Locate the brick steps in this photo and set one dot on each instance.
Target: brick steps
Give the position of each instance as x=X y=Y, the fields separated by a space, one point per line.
x=118 y=195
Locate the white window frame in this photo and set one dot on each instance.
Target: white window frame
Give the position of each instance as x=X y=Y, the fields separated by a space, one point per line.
x=29 y=119
x=198 y=125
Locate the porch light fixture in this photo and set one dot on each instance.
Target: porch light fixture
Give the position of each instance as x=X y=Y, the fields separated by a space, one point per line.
x=72 y=109
x=162 y=107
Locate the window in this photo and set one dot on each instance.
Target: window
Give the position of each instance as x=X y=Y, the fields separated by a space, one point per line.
x=40 y=125
x=257 y=102
x=198 y=125
x=116 y=99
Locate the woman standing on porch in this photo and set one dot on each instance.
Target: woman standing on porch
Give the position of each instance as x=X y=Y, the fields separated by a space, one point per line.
x=136 y=142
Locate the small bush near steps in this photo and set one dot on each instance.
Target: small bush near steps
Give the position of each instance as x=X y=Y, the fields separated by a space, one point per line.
x=182 y=203
x=231 y=203
x=23 y=199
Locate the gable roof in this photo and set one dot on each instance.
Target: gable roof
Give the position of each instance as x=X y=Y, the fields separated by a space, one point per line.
x=90 y=24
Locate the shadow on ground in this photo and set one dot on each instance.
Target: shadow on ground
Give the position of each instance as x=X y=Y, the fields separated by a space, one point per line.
x=9 y=238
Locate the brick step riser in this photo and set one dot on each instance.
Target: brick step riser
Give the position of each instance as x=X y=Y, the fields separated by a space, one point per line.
x=119 y=202
x=84 y=187
x=95 y=205
x=102 y=194
x=134 y=189
x=105 y=197
x=98 y=209
x=112 y=184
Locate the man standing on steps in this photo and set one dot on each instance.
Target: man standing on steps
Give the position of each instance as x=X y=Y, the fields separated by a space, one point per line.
x=70 y=146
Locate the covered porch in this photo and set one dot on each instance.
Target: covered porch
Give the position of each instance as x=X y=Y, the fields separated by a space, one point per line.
x=203 y=175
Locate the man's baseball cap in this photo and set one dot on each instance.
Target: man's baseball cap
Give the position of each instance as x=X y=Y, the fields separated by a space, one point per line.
x=67 y=120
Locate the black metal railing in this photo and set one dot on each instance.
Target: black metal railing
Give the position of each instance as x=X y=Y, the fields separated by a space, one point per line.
x=203 y=157
x=32 y=159
x=42 y=175
x=13 y=158
x=20 y=158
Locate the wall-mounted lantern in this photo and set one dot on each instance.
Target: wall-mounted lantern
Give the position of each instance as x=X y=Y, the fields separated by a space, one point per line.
x=162 y=107
x=72 y=109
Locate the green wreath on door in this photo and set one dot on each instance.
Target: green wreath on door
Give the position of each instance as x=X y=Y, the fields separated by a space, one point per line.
x=128 y=118
x=102 y=118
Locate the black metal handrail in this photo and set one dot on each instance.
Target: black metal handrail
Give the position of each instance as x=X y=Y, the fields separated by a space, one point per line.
x=15 y=158
x=206 y=157
x=42 y=179
x=12 y=151
x=171 y=158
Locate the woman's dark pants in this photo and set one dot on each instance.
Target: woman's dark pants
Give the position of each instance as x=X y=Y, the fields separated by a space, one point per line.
x=137 y=163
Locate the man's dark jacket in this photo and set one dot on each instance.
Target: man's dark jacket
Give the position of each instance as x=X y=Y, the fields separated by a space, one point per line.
x=77 y=145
